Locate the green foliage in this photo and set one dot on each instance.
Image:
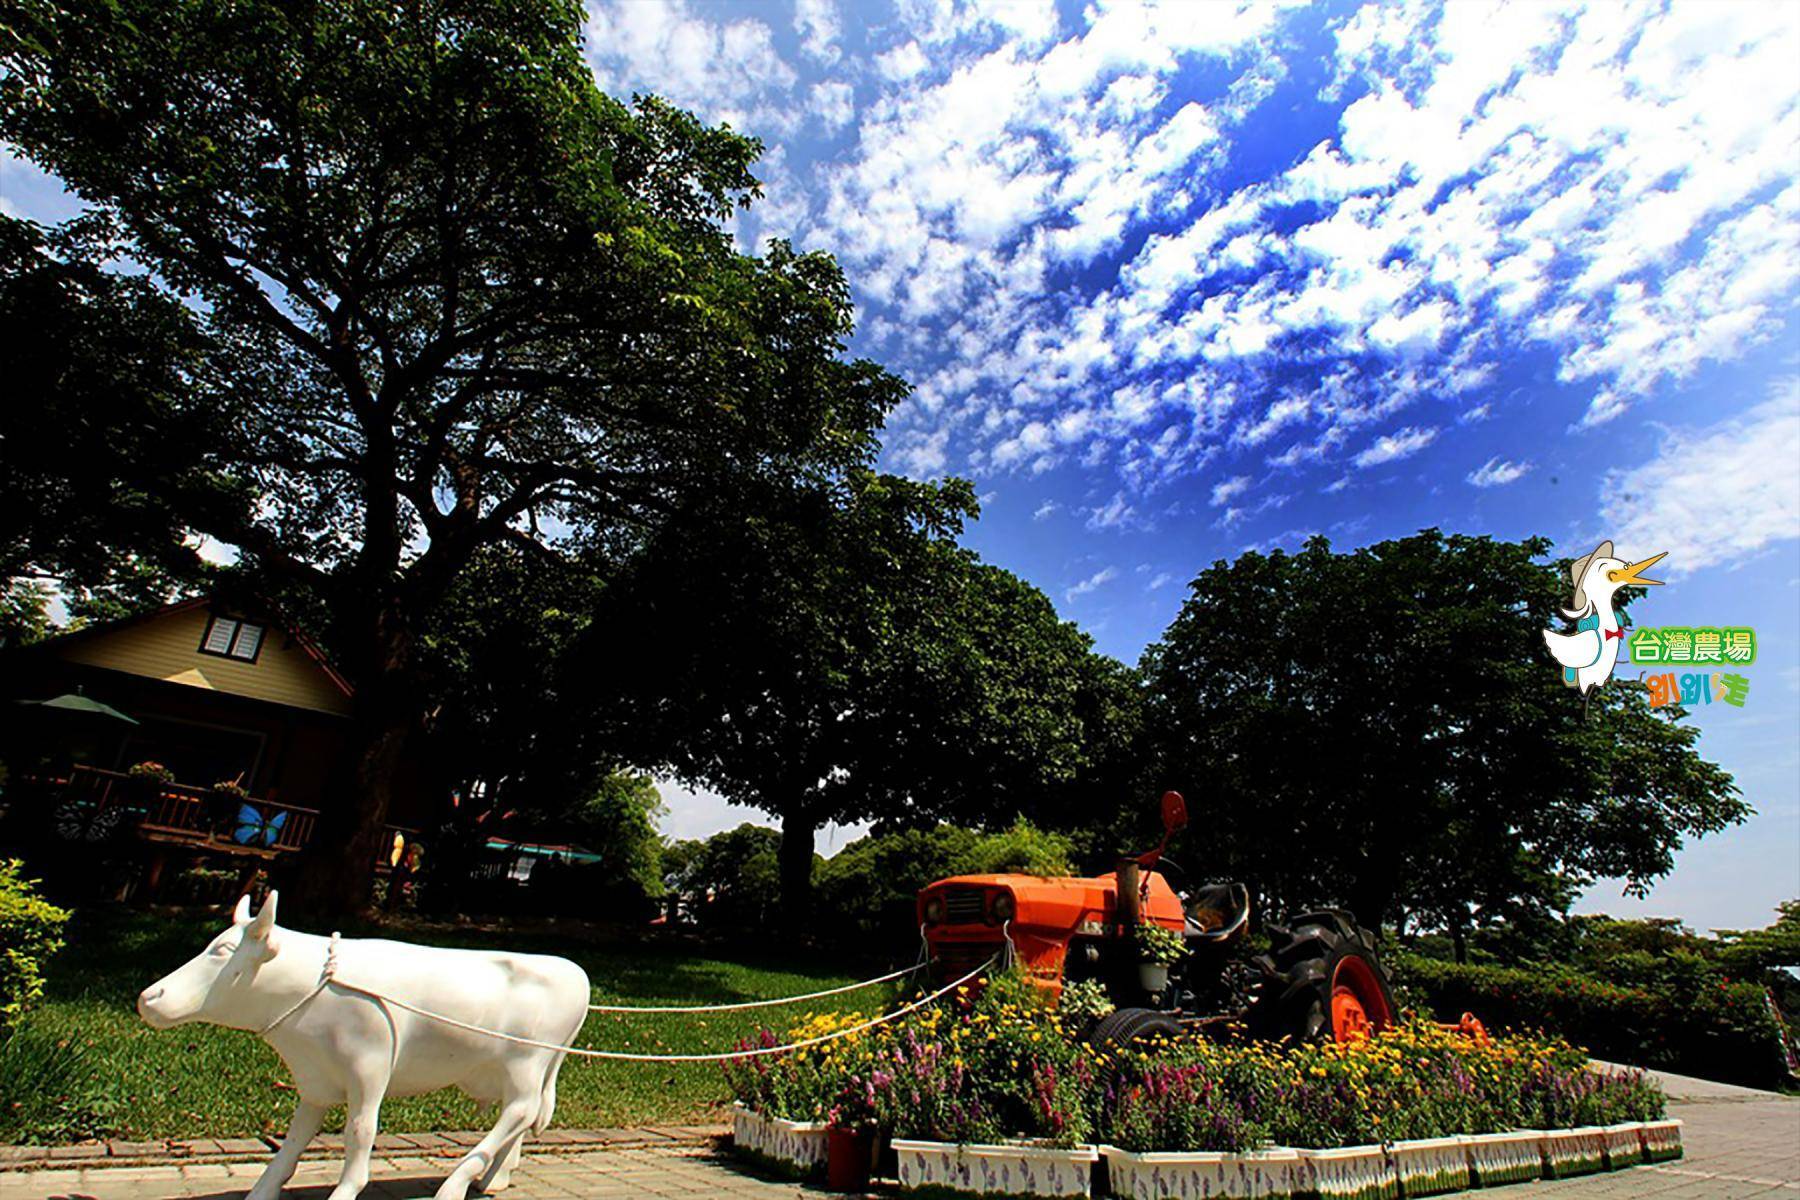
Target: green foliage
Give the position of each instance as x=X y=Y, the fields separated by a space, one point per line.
x=434 y=292
x=103 y=448
x=728 y=881
x=1085 y=1000
x=842 y=659
x=55 y=1089
x=31 y=930
x=1414 y=674
x=1159 y=946
x=24 y=612
x=1670 y=1012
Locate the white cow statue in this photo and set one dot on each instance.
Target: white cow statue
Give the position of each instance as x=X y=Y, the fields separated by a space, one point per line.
x=301 y=993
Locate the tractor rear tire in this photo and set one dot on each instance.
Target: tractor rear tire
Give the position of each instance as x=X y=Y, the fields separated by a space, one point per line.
x=1124 y=1027
x=1321 y=981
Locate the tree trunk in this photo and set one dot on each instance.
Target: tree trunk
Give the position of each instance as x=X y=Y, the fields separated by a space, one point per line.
x=1459 y=940
x=336 y=874
x=795 y=859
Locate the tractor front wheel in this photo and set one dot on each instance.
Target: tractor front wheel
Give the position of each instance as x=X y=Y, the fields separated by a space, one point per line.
x=1124 y=1027
x=1321 y=981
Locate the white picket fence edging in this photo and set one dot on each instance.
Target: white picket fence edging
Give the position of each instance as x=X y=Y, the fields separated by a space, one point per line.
x=1429 y=1166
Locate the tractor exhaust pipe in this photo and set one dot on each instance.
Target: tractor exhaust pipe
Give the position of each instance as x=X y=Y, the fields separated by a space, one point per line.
x=1130 y=885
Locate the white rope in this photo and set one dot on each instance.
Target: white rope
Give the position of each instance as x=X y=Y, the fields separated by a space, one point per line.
x=629 y=1057
x=325 y=979
x=700 y=1008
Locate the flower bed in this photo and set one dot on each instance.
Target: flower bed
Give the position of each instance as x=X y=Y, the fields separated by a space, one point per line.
x=987 y=1094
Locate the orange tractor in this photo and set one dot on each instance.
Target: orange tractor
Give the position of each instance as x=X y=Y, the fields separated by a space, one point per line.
x=1319 y=979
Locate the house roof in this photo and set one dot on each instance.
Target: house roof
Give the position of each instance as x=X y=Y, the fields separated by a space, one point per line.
x=265 y=614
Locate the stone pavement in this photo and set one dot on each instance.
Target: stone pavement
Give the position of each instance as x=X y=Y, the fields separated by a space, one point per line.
x=1740 y=1144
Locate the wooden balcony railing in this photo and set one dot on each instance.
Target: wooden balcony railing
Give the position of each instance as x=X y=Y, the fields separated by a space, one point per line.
x=176 y=812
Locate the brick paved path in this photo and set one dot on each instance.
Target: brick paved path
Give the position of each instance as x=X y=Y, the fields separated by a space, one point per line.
x=1739 y=1145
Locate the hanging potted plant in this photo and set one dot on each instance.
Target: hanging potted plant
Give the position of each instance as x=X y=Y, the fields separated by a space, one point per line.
x=145 y=780
x=224 y=801
x=1158 y=950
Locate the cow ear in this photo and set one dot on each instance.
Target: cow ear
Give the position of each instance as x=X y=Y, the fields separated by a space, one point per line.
x=241 y=915
x=264 y=923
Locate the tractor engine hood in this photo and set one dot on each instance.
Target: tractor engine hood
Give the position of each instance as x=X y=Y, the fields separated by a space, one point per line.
x=966 y=918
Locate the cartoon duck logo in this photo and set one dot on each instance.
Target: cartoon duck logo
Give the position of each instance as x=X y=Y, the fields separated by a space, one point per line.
x=1587 y=655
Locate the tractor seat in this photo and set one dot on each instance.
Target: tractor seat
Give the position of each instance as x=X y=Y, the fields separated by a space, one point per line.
x=1218 y=910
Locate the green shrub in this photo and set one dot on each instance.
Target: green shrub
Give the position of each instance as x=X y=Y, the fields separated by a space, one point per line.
x=1672 y=1014
x=30 y=932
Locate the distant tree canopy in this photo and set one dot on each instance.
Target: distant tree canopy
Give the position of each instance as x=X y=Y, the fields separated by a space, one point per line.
x=837 y=657
x=427 y=291
x=1382 y=729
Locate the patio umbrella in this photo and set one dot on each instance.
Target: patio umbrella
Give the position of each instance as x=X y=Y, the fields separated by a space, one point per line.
x=75 y=702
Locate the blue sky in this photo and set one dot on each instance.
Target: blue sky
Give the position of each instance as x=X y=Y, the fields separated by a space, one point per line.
x=1175 y=282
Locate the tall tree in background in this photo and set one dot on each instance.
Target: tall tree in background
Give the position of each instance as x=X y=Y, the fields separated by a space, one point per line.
x=1382 y=729
x=451 y=295
x=842 y=659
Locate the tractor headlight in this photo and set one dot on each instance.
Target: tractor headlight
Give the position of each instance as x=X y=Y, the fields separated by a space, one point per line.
x=934 y=910
x=1003 y=907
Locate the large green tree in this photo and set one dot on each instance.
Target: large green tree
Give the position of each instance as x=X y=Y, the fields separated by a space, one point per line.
x=100 y=446
x=1383 y=729
x=838 y=657
x=451 y=295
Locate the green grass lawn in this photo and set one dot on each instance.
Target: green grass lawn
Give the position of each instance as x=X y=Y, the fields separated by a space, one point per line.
x=203 y=1081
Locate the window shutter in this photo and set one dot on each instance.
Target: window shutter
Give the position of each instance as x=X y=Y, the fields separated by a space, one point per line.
x=249 y=638
x=219 y=637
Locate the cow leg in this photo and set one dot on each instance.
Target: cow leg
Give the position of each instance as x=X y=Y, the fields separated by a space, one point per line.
x=517 y=1111
x=301 y=1130
x=362 y=1119
x=499 y=1176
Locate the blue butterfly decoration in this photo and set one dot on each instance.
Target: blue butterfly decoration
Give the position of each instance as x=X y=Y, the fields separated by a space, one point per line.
x=254 y=828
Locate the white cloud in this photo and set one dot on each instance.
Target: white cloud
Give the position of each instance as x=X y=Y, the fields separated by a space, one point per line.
x=1226 y=489
x=902 y=62
x=1713 y=496
x=1098 y=579
x=1045 y=511
x=1392 y=447
x=1497 y=472
x=723 y=70
x=1160 y=580
x=817 y=23
x=1116 y=513
x=1041 y=234
x=834 y=104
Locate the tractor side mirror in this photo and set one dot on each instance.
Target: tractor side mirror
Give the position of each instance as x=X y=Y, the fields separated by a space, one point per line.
x=1174 y=813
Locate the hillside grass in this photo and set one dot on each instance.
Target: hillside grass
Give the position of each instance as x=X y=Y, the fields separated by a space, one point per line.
x=205 y=1081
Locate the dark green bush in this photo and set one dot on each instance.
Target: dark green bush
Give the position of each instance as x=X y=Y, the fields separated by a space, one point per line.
x=1674 y=1014
x=30 y=932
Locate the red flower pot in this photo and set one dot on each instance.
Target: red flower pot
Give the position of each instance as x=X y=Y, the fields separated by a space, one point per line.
x=849 y=1159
